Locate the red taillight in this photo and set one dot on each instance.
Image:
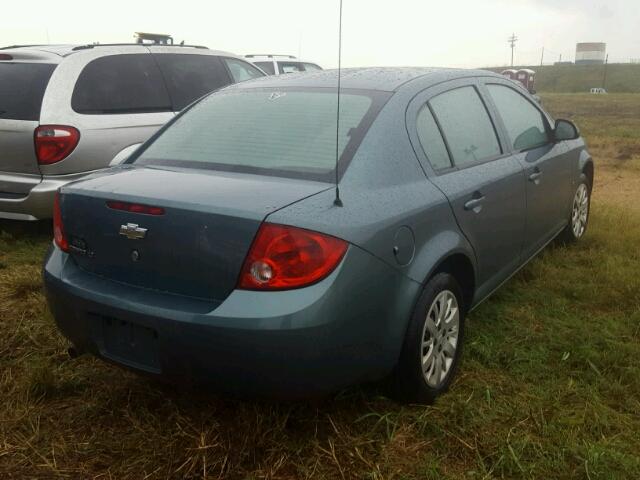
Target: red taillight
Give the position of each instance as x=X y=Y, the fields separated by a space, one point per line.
x=55 y=142
x=5 y=56
x=58 y=228
x=283 y=257
x=135 y=208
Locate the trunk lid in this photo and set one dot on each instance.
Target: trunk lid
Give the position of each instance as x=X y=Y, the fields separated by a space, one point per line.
x=196 y=248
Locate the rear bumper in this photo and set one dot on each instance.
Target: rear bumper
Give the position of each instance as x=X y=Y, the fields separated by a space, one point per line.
x=343 y=330
x=36 y=201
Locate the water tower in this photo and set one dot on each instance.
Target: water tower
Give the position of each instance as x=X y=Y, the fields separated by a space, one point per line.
x=591 y=53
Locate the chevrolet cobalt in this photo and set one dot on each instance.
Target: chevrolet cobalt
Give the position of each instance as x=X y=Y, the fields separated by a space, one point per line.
x=232 y=249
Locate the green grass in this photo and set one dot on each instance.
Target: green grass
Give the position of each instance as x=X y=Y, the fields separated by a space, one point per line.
x=549 y=386
x=621 y=78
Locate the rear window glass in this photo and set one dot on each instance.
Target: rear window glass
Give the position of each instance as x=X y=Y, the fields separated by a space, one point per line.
x=431 y=140
x=189 y=77
x=290 y=133
x=241 y=71
x=311 y=66
x=115 y=84
x=267 y=67
x=290 y=67
x=22 y=87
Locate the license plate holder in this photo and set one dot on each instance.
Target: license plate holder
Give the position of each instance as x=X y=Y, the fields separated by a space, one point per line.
x=130 y=343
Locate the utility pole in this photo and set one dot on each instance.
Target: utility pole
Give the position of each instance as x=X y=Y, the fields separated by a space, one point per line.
x=512 y=41
x=604 y=77
x=542 y=57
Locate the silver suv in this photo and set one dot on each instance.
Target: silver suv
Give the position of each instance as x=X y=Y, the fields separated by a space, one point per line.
x=66 y=111
x=281 y=64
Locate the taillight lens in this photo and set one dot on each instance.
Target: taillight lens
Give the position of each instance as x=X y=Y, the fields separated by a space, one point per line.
x=58 y=228
x=283 y=257
x=55 y=142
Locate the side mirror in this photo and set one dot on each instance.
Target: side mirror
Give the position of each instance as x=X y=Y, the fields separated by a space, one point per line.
x=566 y=130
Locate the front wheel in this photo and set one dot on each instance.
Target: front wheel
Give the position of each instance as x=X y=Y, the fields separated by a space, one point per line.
x=580 y=209
x=433 y=343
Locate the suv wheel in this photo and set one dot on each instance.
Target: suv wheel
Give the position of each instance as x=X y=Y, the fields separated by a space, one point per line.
x=433 y=342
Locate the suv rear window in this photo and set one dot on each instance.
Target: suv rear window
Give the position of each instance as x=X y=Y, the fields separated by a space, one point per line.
x=267 y=67
x=22 y=87
x=128 y=83
x=189 y=77
x=289 y=132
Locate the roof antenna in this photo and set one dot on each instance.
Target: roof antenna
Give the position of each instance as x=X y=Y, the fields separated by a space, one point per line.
x=337 y=201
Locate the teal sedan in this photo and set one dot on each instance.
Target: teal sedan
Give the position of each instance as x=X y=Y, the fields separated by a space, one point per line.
x=260 y=246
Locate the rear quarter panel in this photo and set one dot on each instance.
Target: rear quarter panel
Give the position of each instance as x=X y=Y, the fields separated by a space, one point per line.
x=383 y=190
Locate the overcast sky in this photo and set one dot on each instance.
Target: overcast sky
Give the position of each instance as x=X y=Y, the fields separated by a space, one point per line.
x=456 y=33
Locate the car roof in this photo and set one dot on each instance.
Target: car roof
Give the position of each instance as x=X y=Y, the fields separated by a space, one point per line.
x=55 y=53
x=387 y=79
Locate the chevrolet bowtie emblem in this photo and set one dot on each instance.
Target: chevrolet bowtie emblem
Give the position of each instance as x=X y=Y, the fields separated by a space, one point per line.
x=132 y=231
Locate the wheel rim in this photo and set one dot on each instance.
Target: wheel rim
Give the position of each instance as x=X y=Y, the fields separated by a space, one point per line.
x=580 y=212
x=440 y=338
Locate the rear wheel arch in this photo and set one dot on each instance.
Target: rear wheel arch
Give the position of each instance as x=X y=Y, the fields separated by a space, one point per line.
x=587 y=170
x=460 y=267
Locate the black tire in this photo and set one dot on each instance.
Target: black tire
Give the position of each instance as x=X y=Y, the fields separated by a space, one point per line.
x=569 y=235
x=408 y=382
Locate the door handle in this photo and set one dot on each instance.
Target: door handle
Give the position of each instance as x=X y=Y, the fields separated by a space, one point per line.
x=535 y=176
x=474 y=204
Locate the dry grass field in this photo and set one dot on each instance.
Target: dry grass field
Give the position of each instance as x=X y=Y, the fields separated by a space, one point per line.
x=549 y=387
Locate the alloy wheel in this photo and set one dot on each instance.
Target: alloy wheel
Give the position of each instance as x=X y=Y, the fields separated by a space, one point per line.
x=440 y=338
x=580 y=212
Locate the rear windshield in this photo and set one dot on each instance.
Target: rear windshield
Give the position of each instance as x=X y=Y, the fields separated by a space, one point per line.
x=290 y=133
x=22 y=87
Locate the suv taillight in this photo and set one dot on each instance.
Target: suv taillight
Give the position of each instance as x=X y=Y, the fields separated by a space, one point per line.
x=54 y=142
x=283 y=257
x=58 y=228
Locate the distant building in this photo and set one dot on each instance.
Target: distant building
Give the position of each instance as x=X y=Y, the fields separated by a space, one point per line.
x=591 y=53
x=635 y=60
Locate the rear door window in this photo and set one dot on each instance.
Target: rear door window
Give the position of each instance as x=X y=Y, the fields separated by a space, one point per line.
x=431 y=140
x=290 y=67
x=525 y=124
x=241 y=71
x=22 y=86
x=466 y=126
x=120 y=84
x=189 y=77
x=267 y=67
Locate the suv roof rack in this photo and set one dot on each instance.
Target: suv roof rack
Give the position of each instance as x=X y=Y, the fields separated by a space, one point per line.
x=93 y=45
x=270 y=55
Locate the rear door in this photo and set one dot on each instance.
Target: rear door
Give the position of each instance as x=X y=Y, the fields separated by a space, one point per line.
x=459 y=146
x=189 y=76
x=547 y=164
x=22 y=87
